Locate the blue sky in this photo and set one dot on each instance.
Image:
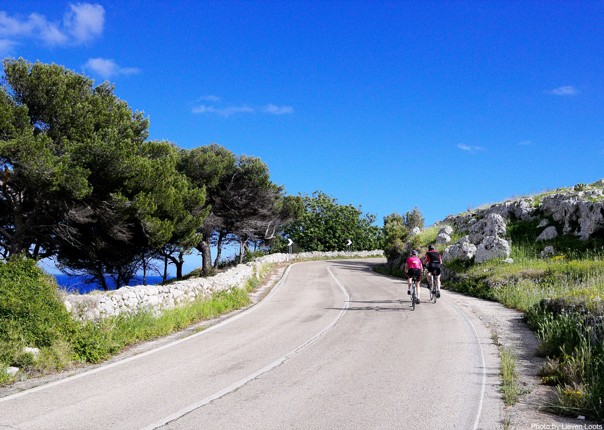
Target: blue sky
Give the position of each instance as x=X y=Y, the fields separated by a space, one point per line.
x=384 y=104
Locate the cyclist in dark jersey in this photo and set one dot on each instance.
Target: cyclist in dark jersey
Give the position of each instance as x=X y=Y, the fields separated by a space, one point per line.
x=433 y=260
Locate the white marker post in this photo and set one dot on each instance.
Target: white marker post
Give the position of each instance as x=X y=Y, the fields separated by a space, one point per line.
x=289 y=248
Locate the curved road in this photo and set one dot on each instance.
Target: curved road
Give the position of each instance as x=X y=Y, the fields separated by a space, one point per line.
x=332 y=346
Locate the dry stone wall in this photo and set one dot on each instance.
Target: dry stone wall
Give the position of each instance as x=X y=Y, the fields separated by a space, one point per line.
x=155 y=298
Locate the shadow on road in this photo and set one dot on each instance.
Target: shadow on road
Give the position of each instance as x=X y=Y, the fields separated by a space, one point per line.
x=402 y=305
x=354 y=265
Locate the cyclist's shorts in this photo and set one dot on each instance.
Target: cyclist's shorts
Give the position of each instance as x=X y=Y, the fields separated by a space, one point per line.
x=434 y=269
x=414 y=273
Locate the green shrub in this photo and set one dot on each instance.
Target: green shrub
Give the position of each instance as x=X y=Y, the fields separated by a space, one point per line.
x=57 y=357
x=428 y=235
x=581 y=389
x=31 y=311
x=576 y=356
x=580 y=187
x=252 y=255
x=92 y=342
x=24 y=360
x=413 y=242
x=5 y=378
x=522 y=231
x=476 y=287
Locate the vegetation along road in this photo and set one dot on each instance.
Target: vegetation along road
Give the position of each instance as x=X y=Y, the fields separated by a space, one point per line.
x=333 y=345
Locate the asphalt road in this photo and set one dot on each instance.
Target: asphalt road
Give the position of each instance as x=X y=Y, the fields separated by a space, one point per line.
x=333 y=346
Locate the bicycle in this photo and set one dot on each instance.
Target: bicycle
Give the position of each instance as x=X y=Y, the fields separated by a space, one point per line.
x=414 y=281
x=432 y=287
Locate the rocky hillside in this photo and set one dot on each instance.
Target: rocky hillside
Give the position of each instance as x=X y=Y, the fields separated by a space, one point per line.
x=577 y=211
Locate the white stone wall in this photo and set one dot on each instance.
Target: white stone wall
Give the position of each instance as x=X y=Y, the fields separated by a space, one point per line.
x=99 y=304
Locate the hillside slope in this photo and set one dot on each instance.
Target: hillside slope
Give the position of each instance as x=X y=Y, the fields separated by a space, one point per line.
x=542 y=255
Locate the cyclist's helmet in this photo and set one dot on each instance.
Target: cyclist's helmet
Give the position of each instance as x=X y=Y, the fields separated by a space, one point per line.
x=430 y=247
x=414 y=252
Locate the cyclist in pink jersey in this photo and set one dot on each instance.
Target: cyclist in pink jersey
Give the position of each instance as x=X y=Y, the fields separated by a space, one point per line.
x=413 y=267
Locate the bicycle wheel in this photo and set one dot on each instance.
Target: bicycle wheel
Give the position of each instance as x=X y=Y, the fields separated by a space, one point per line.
x=433 y=296
x=413 y=298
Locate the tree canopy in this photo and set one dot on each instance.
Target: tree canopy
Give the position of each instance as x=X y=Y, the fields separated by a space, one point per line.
x=326 y=225
x=244 y=204
x=80 y=182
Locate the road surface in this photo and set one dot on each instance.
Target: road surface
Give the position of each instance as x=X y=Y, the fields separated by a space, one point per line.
x=333 y=346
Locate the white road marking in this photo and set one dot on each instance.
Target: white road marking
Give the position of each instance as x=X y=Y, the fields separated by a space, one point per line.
x=482 y=360
x=179 y=414
x=152 y=351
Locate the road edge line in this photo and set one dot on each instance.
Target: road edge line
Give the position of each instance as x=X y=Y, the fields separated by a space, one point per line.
x=459 y=310
x=107 y=366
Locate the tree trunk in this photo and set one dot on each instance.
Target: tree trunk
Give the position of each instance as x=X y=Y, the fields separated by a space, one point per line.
x=17 y=243
x=144 y=271
x=221 y=237
x=100 y=276
x=241 y=250
x=165 y=276
x=179 y=270
x=180 y=261
x=206 y=257
x=36 y=251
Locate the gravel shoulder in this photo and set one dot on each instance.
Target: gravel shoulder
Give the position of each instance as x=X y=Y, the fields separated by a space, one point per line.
x=511 y=332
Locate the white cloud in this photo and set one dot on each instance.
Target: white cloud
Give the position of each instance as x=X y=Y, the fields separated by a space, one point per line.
x=469 y=148
x=11 y=26
x=48 y=32
x=81 y=23
x=226 y=111
x=84 y=21
x=6 y=46
x=277 y=110
x=565 y=90
x=108 y=68
x=36 y=26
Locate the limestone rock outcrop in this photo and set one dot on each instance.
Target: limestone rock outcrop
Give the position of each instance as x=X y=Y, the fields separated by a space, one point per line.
x=463 y=250
x=548 y=234
x=492 y=247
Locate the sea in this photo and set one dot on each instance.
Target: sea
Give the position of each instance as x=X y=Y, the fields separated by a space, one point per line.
x=82 y=284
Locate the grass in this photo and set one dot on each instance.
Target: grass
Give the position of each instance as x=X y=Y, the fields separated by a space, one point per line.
x=530 y=279
x=98 y=341
x=5 y=378
x=94 y=342
x=563 y=301
x=509 y=377
x=510 y=388
x=428 y=235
